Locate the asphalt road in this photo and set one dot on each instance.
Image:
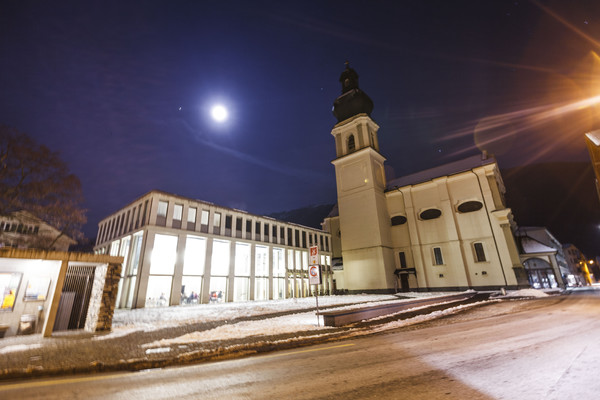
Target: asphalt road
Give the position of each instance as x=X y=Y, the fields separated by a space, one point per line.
x=539 y=349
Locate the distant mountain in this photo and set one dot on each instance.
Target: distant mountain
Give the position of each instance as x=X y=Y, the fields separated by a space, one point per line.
x=560 y=196
x=310 y=216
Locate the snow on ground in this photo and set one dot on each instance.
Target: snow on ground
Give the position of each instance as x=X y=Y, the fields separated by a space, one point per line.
x=149 y=319
x=273 y=326
x=19 y=347
x=299 y=322
x=527 y=293
x=157 y=318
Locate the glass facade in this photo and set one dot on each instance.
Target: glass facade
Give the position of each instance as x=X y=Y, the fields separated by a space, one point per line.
x=183 y=254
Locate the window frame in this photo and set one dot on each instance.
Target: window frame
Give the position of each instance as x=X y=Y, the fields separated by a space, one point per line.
x=479 y=252
x=438 y=255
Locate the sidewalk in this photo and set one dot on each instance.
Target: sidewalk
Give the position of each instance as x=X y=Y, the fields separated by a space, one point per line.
x=160 y=337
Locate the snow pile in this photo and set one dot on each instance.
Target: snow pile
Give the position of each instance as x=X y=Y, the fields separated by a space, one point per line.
x=300 y=322
x=156 y=318
x=527 y=293
x=19 y=347
x=425 y=317
x=271 y=326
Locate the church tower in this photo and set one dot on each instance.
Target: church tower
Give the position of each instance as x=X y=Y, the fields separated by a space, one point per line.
x=364 y=220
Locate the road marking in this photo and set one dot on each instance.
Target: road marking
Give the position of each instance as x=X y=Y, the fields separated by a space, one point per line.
x=58 y=381
x=307 y=351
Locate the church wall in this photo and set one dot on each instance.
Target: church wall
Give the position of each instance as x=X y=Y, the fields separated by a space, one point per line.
x=365 y=273
x=456 y=234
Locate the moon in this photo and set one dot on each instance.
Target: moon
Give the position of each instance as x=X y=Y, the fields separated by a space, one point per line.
x=219 y=113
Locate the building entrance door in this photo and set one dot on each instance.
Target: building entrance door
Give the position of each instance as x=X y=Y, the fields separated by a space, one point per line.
x=404 y=287
x=75 y=298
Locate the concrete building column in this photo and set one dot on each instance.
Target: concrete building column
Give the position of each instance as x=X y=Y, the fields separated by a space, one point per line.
x=271 y=274
x=178 y=272
x=231 y=276
x=252 y=269
x=205 y=296
x=144 y=270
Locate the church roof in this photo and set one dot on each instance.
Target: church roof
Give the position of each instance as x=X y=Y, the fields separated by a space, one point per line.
x=452 y=168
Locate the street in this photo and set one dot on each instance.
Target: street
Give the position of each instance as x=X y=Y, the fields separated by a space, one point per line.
x=538 y=349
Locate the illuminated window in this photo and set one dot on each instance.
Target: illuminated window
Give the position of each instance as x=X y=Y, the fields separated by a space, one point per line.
x=161 y=216
x=164 y=255
x=191 y=218
x=290 y=257
x=191 y=289
x=162 y=208
x=177 y=215
x=114 y=248
x=278 y=288
x=194 y=256
x=204 y=221
x=262 y=261
x=218 y=289
x=177 y=212
x=261 y=289
x=220 y=258
x=241 y=291
x=217 y=223
x=158 y=292
x=242 y=259
x=278 y=262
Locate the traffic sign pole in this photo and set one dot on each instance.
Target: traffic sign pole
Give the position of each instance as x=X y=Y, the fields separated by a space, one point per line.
x=317 y=299
x=314 y=278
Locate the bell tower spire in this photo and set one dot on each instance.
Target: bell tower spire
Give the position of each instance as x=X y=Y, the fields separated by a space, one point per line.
x=355 y=129
x=360 y=178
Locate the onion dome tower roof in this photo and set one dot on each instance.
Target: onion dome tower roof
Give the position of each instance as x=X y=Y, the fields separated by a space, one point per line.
x=352 y=101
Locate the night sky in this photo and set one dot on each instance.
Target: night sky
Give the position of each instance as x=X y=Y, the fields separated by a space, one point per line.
x=123 y=89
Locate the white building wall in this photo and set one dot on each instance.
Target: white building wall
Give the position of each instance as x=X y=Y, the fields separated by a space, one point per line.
x=455 y=233
x=122 y=224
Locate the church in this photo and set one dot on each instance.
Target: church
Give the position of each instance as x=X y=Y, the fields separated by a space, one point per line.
x=446 y=228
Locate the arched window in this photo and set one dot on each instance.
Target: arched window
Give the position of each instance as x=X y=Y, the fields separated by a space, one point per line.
x=351 y=144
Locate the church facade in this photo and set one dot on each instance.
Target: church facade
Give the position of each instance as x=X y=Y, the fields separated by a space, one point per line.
x=447 y=228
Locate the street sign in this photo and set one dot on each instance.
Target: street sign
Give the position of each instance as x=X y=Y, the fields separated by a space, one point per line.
x=314 y=275
x=314 y=255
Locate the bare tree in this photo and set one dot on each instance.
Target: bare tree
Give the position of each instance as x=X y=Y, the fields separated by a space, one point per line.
x=36 y=180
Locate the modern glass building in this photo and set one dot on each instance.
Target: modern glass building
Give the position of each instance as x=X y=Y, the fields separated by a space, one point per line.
x=182 y=251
